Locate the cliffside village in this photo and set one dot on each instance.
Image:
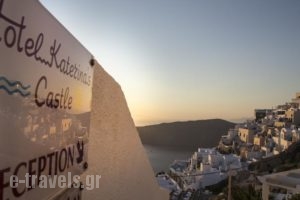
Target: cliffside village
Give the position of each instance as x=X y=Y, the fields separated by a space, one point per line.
x=263 y=154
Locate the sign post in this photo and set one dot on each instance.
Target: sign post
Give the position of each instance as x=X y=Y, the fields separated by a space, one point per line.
x=45 y=103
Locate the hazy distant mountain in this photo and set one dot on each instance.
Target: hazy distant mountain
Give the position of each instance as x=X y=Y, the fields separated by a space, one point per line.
x=188 y=135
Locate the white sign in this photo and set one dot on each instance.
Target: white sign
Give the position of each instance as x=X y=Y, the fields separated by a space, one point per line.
x=45 y=99
x=69 y=194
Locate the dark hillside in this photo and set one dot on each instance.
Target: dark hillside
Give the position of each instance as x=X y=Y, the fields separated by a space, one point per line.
x=188 y=135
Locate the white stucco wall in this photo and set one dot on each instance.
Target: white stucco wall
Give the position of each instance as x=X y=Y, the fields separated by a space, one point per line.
x=115 y=149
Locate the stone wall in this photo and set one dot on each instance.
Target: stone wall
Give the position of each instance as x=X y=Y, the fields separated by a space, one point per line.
x=115 y=150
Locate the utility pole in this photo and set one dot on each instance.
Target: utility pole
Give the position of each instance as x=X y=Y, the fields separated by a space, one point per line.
x=230 y=174
x=229 y=185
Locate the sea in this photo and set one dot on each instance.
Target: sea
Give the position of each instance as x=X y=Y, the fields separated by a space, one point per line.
x=161 y=157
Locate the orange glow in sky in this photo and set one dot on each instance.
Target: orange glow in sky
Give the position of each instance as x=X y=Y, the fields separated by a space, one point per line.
x=198 y=59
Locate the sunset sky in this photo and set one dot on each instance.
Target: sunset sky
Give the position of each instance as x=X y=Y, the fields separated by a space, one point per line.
x=191 y=59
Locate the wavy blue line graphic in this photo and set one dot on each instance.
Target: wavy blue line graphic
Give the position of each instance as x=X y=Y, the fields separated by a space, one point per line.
x=14 y=91
x=12 y=87
x=14 y=83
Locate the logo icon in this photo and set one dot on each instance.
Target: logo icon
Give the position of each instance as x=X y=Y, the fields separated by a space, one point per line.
x=80 y=148
x=13 y=87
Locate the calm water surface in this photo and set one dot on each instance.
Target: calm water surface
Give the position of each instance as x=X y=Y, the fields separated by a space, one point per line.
x=161 y=157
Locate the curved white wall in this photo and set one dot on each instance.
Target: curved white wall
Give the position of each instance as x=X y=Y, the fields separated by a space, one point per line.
x=115 y=149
